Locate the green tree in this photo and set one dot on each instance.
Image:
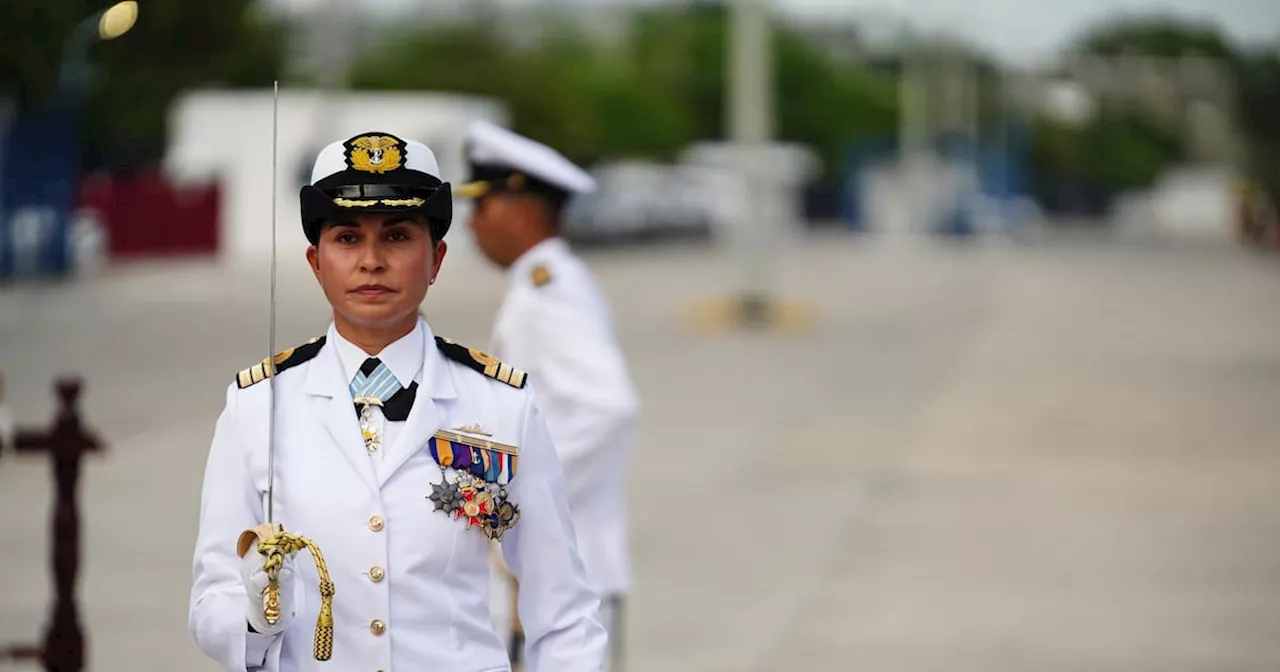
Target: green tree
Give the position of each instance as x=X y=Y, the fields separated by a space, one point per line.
x=539 y=84
x=1255 y=75
x=661 y=90
x=1120 y=149
x=820 y=101
x=1137 y=150
x=1156 y=35
x=174 y=46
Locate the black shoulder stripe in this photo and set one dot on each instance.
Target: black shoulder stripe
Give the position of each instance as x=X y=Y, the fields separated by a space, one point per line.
x=481 y=362
x=282 y=361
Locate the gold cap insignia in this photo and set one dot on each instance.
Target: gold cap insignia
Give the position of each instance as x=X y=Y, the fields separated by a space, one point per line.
x=377 y=153
x=541 y=276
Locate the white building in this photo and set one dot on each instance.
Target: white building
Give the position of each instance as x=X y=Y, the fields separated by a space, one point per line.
x=226 y=136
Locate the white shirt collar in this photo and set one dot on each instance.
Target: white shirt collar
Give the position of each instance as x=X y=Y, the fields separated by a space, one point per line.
x=543 y=253
x=403 y=357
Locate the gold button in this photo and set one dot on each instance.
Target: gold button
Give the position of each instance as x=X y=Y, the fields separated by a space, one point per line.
x=376 y=573
x=377 y=627
x=376 y=523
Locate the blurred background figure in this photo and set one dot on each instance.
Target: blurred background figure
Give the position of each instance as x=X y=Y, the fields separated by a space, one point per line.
x=1035 y=247
x=556 y=324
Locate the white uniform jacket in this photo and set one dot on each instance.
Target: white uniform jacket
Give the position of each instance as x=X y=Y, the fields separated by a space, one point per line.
x=423 y=575
x=555 y=324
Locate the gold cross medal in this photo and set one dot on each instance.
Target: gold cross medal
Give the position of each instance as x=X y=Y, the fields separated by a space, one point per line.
x=370 y=433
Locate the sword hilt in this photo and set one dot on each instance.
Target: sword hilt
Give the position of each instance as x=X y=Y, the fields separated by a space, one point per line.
x=274 y=544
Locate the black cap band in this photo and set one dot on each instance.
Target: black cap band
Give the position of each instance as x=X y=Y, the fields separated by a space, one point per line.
x=342 y=202
x=504 y=178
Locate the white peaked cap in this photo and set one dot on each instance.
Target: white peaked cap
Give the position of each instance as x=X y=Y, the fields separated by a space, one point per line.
x=333 y=159
x=375 y=172
x=491 y=145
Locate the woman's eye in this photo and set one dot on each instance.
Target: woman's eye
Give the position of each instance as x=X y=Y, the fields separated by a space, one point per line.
x=397 y=235
x=347 y=238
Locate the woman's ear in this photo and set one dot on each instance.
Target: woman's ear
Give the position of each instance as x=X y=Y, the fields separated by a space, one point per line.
x=313 y=260
x=441 y=248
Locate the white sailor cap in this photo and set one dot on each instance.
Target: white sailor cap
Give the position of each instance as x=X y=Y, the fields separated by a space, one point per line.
x=502 y=160
x=375 y=172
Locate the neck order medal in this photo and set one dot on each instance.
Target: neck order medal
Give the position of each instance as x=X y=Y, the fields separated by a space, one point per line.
x=372 y=440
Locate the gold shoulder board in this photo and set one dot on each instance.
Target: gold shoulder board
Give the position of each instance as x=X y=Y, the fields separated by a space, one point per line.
x=481 y=362
x=280 y=362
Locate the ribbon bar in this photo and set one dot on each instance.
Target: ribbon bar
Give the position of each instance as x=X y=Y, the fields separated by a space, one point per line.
x=483 y=444
x=485 y=460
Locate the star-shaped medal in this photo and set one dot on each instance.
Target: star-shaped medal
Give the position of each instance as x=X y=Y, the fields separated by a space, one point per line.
x=445 y=495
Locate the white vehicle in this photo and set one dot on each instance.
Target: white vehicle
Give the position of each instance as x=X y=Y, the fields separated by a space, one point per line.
x=702 y=197
x=642 y=201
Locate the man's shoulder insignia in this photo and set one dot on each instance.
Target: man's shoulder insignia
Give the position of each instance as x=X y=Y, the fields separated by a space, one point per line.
x=481 y=362
x=280 y=362
x=541 y=276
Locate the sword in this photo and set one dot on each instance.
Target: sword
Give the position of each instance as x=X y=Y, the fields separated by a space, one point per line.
x=271 y=348
x=271 y=599
x=271 y=539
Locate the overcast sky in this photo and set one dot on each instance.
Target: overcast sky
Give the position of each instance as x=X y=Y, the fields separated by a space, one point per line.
x=1017 y=30
x=1035 y=29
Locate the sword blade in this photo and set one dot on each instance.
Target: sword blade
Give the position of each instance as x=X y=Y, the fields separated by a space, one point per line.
x=271 y=350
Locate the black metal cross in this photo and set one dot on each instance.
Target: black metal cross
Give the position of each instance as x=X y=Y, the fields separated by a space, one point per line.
x=66 y=442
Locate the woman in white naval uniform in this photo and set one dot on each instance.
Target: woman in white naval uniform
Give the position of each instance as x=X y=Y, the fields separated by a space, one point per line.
x=401 y=492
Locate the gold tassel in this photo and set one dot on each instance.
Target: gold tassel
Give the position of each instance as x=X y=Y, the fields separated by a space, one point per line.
x=275 y=544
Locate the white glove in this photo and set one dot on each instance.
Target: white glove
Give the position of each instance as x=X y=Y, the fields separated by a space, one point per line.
x=255 y=584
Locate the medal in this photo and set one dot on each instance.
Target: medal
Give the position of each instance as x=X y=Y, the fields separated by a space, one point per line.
x=445 y=494
x=478 y=492
x=370 y=433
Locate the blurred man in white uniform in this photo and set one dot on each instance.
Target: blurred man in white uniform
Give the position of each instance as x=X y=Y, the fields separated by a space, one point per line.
x=555 y=323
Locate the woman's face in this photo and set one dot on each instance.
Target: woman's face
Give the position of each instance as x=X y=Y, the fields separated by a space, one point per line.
x=375 y=269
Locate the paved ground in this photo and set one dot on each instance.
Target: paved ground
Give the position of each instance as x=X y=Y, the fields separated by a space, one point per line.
x=982 y=457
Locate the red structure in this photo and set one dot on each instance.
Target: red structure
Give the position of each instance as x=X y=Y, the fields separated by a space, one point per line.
x=145 y=215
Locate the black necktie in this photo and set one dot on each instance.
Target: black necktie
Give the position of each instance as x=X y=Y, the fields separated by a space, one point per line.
x=397 y=407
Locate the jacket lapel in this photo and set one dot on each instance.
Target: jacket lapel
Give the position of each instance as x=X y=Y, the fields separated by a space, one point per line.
x=332 y=402
x=429 y=412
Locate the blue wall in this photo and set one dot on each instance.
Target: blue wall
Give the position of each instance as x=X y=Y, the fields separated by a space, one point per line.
x=38 y=178
x=1002 y=163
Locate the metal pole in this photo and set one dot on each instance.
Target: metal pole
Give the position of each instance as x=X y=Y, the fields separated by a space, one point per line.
x=333 y=66
x=6 y=117
x=73 y=73
x=750 y=122
x=914 y=98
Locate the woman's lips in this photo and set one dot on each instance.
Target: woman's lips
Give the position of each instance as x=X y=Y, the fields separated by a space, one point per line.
x=372 y=290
